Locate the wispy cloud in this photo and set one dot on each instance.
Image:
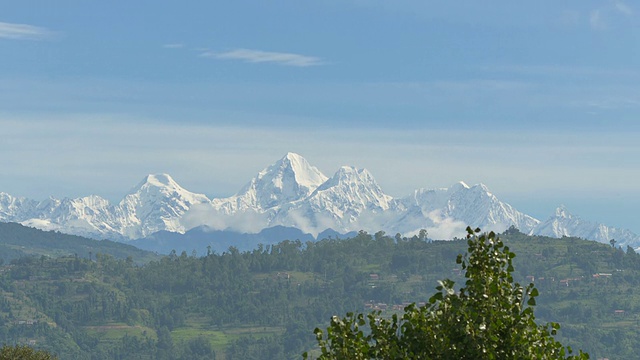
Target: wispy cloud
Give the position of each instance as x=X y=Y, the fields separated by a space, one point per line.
x=173 y=46
x=558 y=70
x=600 y=18
x=596 y=20
x=623 y=8
x=259 y=56
x=23 y=32
x=611 y=103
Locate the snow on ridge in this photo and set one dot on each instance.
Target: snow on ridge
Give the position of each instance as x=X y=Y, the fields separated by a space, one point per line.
x=563 y=223
x=13 y=208
x=157 y=203
x=562 y=212
x=291 y=192
x=305 y=174
x=160 y=180
x=350 y=200
x=164 y=184
x=350 y=187
x=450 y=210
x=289 y=179
x=460 y=184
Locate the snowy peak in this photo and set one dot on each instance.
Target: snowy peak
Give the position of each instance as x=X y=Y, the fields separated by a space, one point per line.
x=291 y=192
x=14 y=208
x=350 y=200
x=562 y=212
x=473 y=205
x=157 y=203
x=431 y=199
x=159 y=180
x=86 y=216
x=478 y=207
x=563 y=223
x=350 y=176
x=350 y=187
x=305 y=175
x=289 y=179
x=460 y=185
x=156 y=187
x=292 y=176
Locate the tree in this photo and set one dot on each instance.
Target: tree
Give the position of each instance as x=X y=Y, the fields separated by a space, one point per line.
x=490 y=317
x=23 y=352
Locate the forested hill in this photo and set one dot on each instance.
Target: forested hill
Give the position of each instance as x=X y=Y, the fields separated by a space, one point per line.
x=264 y=304
x=18 y=241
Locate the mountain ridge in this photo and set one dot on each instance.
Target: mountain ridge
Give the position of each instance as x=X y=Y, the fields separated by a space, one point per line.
x=293 y=193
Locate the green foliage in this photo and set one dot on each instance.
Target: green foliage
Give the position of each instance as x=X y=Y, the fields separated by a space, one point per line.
x=262 y=303
x=490 y=317
x=22 y=352
x=18 y=241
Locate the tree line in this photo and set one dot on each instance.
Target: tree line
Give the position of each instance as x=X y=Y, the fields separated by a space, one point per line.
x=266 y=302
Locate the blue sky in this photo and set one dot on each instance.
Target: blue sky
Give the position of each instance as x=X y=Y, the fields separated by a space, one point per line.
x=539 y=101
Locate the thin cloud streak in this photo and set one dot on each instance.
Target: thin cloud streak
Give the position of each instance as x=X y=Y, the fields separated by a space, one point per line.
x=23 y=32
x=596 y=21
x=557 y=70
x=173 y=46
x=612 y=103
x=259 y=56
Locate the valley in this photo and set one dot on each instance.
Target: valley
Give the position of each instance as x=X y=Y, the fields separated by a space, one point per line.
x=266 y=302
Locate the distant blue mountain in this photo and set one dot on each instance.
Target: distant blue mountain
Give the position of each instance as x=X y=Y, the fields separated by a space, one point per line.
x=330 y=233
x=202 y=238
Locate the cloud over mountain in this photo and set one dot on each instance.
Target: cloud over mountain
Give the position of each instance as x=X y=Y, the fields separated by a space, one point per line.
x=293 y=193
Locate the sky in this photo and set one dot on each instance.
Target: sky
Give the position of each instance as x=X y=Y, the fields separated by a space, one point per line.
x=540 y=101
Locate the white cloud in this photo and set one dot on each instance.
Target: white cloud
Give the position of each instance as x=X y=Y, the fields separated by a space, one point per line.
x=205 y=214
x=259 y=56
x=444 y=227
x=23 y=32
x=623 y=8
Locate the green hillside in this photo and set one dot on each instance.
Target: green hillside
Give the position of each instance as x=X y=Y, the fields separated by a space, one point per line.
x=264 y=304
x=18 y=241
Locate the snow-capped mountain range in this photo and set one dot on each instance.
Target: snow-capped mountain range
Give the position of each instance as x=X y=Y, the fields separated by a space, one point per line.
x=293 y=193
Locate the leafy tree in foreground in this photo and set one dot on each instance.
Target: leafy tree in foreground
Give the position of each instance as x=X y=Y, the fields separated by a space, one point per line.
x=490 y=317
x=23 y=353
